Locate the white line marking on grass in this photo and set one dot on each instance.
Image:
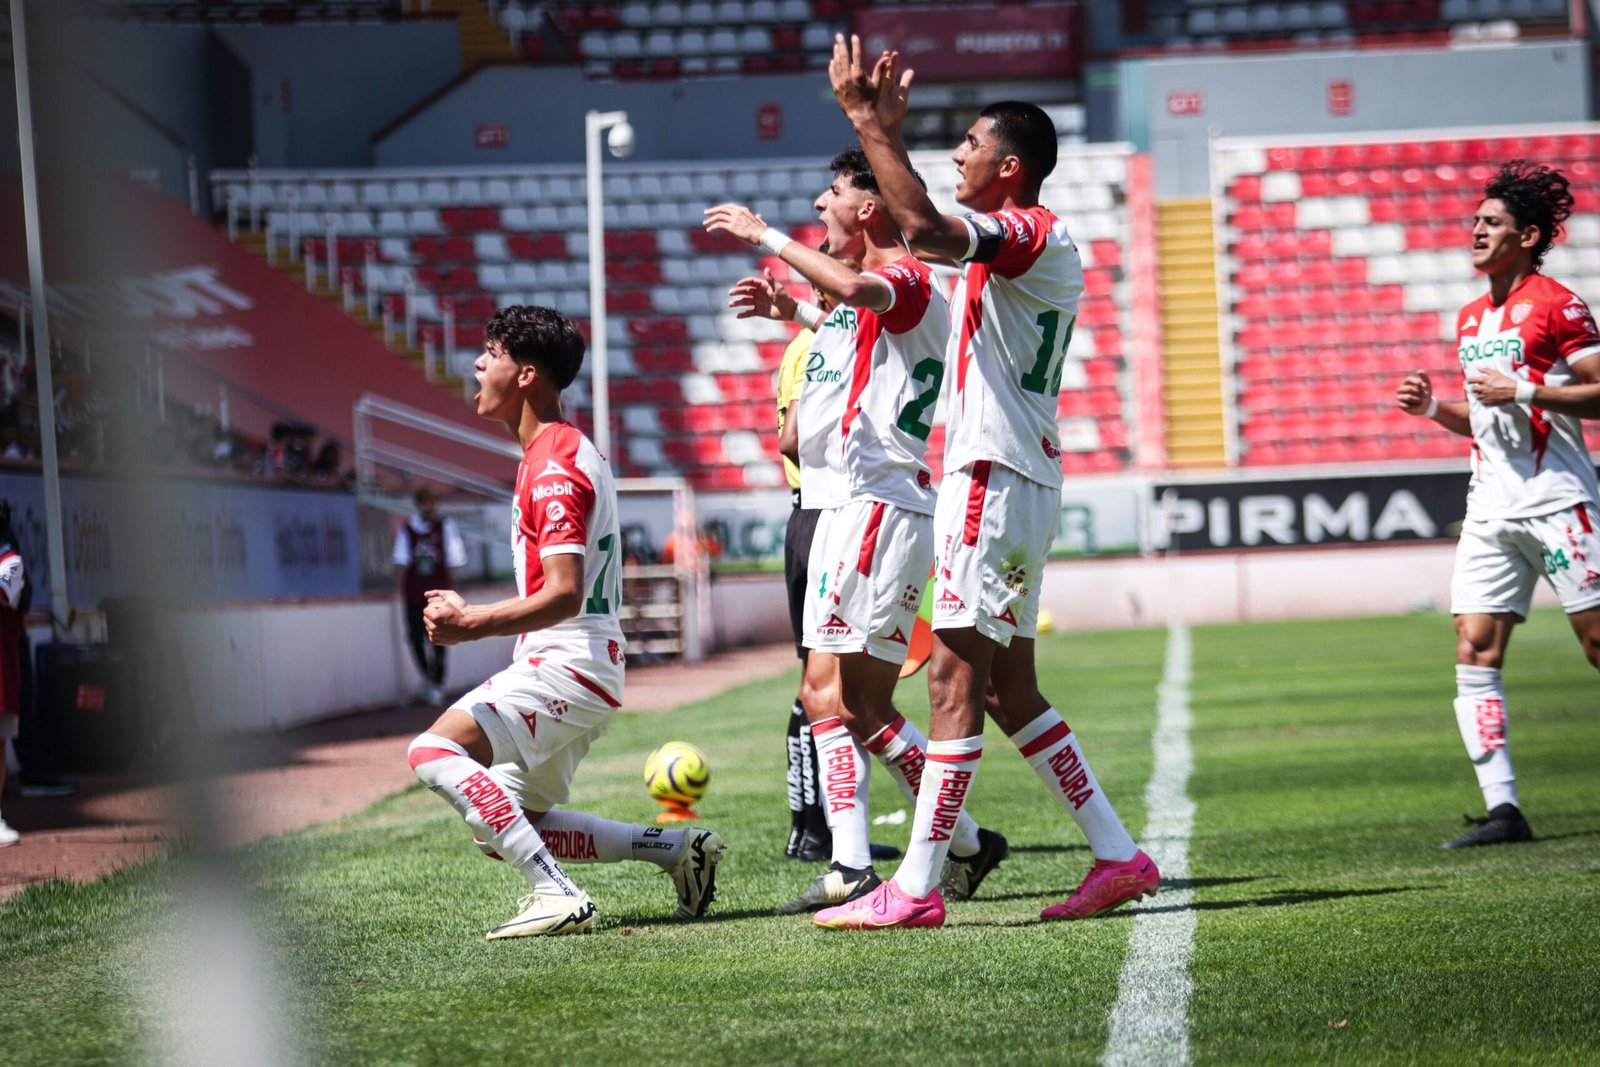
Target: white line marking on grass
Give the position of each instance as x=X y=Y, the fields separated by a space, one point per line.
x=1150 y=1021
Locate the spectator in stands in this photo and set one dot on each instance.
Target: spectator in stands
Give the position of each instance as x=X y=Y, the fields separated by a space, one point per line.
x=427 y=548
x=1529 y=348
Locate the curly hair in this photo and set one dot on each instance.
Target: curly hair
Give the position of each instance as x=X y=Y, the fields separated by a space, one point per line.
x=1536 y=195
x=853 y=162
x=541 y=336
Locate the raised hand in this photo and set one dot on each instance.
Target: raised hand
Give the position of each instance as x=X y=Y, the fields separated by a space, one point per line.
x=738 y=220
x=892 y=87
x=852 y=86
x=761 y=298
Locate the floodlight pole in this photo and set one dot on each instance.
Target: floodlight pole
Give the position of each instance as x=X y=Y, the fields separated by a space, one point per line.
x=60 y=606
x=594 y=124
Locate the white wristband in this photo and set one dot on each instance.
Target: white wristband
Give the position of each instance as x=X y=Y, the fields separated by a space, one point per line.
x=1433 y=408
x=1524 y=392
x=807 y=315
x=774 y=241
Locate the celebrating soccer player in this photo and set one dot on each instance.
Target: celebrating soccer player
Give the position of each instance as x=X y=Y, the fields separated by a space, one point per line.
x=872 y=379
x=504 y=754
x=1526 y=348
x=997 y=506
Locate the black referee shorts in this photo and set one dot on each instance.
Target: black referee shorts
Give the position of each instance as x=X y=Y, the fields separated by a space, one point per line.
x=796 y=551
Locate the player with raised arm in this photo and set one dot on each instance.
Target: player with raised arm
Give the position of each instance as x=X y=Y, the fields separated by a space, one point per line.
x=504 y=754
x=872 y=379
x=1527 y=349
x=1013 y=314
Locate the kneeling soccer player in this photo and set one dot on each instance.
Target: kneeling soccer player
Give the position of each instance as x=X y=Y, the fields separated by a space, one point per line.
x=505 y=753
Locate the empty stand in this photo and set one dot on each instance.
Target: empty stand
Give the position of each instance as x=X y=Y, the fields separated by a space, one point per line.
x=692 y=383
x=1345 y=265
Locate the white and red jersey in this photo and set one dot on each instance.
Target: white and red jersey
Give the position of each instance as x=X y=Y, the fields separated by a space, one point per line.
x=872 y=382
x=1013 y=313
x=566 y=502
x=1527 y=461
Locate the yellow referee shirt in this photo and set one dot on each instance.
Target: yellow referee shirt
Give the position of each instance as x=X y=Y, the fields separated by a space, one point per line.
x=791 y=376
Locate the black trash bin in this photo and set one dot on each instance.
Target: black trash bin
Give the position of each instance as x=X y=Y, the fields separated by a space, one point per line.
x=87 y=708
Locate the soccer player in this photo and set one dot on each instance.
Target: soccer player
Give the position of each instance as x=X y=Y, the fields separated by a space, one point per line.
x=763 y=297
x=1526 y=347
x=504 y=754
x=1013 y=313
x=872 y=378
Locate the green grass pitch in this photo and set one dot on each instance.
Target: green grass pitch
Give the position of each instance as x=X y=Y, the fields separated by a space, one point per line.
x=1331 y=929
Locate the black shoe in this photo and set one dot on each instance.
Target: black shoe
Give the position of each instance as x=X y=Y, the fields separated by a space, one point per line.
x=1502 y=826
x=879 y=851
x=813 y=849
x=963 y=874
x=834 y=886
x=47 y=785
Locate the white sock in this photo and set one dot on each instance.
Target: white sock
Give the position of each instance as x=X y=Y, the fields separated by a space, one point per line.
x=946 y=779
x=843 y=777
x=578 y=837
x=902 y=750
x=488 y=808
x=1052 y=750
x=1481 y=716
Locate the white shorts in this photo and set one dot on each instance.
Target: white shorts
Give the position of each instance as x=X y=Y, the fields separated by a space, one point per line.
x=1498 y=561
x=539 y=737
x=869 y=565
x=993 y=528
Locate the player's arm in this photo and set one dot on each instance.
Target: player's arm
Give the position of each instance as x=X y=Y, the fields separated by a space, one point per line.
x=789 y=432
x=833 y=278
x=1581 y=400
x=875 y=102
x=1416 y=397
x=450 y=620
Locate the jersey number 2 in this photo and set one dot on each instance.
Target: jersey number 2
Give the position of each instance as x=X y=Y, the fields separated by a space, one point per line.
x=1045 y=377
x=914 y=418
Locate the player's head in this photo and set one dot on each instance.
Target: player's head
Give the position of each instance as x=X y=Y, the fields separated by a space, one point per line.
x=426 y=500
x=1523 y=208
x=851 y=204
x=1008 y=152
x=525 y=348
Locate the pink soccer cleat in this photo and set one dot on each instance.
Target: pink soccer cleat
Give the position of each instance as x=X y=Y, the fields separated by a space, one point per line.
x=1107 y=885
x=885 y=906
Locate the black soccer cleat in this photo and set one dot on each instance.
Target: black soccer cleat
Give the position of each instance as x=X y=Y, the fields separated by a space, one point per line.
x=1502 y=826
x=963 y=874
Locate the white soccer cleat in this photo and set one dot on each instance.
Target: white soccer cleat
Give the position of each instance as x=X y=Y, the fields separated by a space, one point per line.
x=694 y=873
x=8 y=836
x=547 y=914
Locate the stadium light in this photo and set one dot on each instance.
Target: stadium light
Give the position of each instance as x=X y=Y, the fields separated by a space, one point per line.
x=620 y=141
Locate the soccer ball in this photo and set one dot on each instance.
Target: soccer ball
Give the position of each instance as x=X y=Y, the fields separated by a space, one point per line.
x=677 y=774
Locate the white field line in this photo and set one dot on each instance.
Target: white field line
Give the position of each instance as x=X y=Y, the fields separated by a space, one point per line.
x=1150 y=1021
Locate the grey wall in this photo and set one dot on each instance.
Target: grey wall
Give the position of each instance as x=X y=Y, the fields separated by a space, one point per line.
x=319 y=92
x=1288 y=95
x=542 y=111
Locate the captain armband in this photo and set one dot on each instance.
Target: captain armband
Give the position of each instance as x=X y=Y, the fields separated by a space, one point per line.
x=986 y=233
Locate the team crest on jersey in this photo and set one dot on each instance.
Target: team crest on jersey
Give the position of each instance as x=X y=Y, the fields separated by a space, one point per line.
x=1520 y=311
